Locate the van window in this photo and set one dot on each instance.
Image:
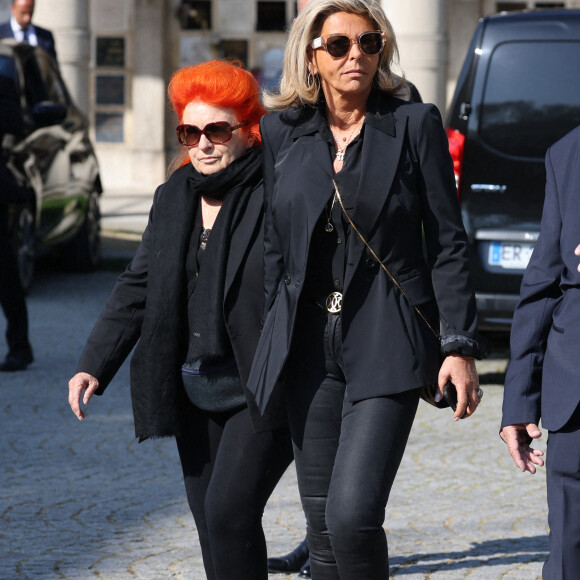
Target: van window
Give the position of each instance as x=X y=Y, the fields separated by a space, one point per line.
x=531 y=96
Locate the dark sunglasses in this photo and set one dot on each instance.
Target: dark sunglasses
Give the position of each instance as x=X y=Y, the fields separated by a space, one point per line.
x=217 y=133
x=338 y=45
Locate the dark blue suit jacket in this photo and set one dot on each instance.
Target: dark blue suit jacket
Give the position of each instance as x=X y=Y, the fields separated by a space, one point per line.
x=406 y=189
x=542 y=377
x=45 y=37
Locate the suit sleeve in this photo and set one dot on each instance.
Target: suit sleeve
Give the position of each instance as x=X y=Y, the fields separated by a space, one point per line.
x=273 y=257
x=118 y=328
x=445 y=237
x=539 y=295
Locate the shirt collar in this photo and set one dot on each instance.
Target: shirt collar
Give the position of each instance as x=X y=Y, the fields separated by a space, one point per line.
x=379 y=116
x=18 y=31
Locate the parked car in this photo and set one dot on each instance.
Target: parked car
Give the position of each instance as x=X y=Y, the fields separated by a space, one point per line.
x=518 y=93
x=54 y=159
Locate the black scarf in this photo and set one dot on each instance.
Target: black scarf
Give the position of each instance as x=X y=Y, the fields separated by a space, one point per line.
x=208 y=339
x=239 y=173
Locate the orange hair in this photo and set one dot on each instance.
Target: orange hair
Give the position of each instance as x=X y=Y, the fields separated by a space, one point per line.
x=221 y=84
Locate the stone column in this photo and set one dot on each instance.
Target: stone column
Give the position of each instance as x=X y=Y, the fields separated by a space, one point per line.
x=462 y=17
x=420 y=27
x=148 y=99
x=68 y=20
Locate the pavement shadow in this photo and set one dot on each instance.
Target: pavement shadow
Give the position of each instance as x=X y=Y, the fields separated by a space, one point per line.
x=500 y=552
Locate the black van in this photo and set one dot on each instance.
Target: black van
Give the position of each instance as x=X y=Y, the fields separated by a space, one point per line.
x=518 y=93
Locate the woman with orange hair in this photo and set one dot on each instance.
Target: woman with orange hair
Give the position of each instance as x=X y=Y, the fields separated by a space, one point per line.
x=192 y=300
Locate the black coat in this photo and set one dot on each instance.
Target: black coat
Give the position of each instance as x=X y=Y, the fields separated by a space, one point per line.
x=406 y=188
x=149 y=305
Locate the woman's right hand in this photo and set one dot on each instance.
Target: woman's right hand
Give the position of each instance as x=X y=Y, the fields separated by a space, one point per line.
x=79 y=384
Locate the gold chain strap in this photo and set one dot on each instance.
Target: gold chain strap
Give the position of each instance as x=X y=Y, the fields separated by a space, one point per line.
x=393 y=279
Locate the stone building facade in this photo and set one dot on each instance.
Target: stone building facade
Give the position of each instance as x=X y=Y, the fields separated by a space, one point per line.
x=118 y=55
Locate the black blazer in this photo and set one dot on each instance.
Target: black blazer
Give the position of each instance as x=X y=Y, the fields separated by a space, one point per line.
x=149 y=305
x=406 y=188
x=44 y=37
x=542 y=376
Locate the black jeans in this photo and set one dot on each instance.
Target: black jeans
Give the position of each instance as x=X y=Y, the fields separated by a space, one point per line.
x=12 y=297
x=347 y=454
x=229 y=473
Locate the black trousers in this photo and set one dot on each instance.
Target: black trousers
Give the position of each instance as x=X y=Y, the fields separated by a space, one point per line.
x=347 y=455
x=563 y=487
x=12 y=297
x=229 y=473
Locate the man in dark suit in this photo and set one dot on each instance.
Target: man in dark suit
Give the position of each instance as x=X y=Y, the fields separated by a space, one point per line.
x=11 y=291
x=20 y=27
x=542 y=377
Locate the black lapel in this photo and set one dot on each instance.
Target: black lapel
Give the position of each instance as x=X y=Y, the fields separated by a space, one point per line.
x=313 y=171
x=240 y=241
x=382 y=145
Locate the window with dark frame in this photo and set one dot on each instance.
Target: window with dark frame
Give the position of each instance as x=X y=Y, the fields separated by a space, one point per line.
x=109 y=95
x=271 y=16
x=510 y=6
x=195 y=15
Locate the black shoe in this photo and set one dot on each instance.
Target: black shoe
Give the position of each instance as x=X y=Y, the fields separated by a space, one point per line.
x=16 y=362
x=305 y=570
x=292 y=562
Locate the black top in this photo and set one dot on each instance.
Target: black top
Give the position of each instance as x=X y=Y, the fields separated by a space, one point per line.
x=329 y=244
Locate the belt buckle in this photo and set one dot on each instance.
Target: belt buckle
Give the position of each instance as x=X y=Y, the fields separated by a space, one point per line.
x=334 y=302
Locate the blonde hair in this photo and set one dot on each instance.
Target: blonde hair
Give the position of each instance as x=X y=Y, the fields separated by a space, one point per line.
x=297 y=85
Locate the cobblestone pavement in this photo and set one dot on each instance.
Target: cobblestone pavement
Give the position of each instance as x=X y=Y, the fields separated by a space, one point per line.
x=85 y=501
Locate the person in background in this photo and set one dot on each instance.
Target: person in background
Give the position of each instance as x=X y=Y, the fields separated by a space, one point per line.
x=12 y=295
x=340 y=342
x=542 y=375
x=20 y=27
x=191 y=302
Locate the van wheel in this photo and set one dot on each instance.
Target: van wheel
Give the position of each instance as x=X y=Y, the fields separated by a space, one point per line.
x=84 y=252
x=23 y=232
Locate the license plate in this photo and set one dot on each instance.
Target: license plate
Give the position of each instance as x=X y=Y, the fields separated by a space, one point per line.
x=510 y=255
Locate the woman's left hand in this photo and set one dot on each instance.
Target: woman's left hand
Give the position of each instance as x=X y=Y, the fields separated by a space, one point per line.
x=460 y=370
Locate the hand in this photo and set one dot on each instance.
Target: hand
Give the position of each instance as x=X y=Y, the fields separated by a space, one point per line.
x=577 y=253
x=79 y=384
x=460 y=370
x=518 y=438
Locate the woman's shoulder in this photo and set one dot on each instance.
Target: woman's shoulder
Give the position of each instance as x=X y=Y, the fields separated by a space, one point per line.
x=287 y=119
x=417 y=116
x=180 y=174
x=278 y=126
x=400 y=107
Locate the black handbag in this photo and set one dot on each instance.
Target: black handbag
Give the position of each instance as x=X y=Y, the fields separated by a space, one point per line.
x=427 y=392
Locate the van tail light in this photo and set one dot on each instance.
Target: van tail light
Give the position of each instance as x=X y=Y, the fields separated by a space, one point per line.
x=456 y=144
